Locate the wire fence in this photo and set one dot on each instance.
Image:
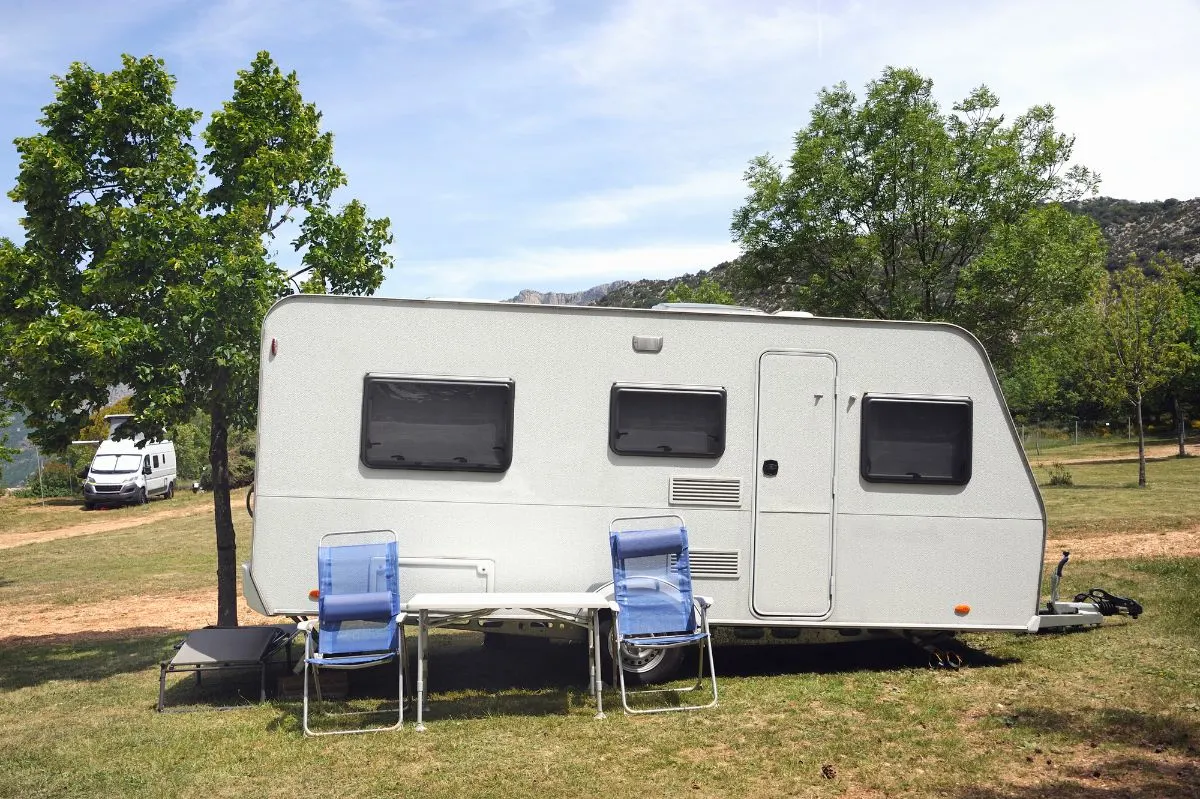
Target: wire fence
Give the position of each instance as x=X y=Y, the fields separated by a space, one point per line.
x=1051 y=434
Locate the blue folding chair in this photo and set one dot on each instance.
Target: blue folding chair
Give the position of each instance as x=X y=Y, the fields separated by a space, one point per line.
x=358 y=621
x=652 y=586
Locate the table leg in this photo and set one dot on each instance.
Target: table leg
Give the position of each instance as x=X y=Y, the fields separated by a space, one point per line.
x=422 y=628
x=594 y=671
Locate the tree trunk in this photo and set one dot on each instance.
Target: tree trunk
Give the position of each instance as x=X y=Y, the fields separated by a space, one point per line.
x=218 y=458
x=1141 y=443
x=1181 y=426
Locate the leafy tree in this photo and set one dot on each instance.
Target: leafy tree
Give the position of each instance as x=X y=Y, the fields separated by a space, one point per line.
x=708 y=291
x=145 y=266
x=1140 y=319
x=892 y=208
x=6 y=452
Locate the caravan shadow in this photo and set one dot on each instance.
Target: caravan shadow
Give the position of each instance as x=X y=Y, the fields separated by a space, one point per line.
x=888 y=654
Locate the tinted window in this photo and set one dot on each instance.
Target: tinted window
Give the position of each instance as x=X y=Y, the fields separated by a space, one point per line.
x=916 y=441
x=411 y=423
x=155 y=461
x=667 y=422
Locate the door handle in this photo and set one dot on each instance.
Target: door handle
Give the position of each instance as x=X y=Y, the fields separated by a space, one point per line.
x=770 y=468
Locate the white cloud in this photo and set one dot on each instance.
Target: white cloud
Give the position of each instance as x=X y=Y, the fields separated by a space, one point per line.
x=620 y=206
x=559 y=269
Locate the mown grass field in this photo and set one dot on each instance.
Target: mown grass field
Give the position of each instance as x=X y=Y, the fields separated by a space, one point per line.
x=1107 y=713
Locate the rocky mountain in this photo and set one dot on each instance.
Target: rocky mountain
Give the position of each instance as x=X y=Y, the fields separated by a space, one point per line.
x=585 y=297
x=1170 y=226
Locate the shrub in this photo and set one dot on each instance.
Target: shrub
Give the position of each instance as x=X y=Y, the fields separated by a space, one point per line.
x=1060 y=475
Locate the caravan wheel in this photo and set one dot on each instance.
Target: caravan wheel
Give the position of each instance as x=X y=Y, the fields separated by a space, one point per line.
x=642 y=665
x=171 y=489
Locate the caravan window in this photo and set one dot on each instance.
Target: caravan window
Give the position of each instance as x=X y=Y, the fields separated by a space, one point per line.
x=418 y=423
x=916 y=440
x=667 y=422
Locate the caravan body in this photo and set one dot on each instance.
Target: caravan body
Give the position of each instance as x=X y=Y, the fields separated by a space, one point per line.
x=833 y=473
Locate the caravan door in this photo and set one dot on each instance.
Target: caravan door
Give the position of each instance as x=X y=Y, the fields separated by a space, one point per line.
x=793 y=520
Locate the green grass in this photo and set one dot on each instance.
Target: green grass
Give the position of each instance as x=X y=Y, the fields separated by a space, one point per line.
x=1105 y=498
x=20 y=515
x=76 y=717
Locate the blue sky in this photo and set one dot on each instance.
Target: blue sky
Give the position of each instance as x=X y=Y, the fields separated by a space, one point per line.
x=555 y=145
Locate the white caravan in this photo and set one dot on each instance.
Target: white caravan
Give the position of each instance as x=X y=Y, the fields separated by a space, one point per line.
x=843 y=475
x=123 y=473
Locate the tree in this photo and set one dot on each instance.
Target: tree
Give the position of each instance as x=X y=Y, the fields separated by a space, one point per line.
x=891 y=208
x=708 y=291
x=1140 y=319
x=6 y=452
x=147 y=267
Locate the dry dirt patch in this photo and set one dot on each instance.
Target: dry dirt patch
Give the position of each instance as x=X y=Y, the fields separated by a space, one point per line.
x=1159 y=452
x=116 y=617
x=1170 y=544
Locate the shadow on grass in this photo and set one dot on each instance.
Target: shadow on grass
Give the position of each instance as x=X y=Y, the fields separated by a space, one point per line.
x=1114 y=778
x=1117 y=725
x=883 y=655
x=82 y=656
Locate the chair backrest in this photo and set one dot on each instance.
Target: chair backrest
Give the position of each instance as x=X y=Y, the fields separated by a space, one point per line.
x=652 y=582
x=359 y=598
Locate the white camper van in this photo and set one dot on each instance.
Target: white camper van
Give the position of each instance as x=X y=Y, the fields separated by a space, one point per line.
x=838 y=476
x=123 y=473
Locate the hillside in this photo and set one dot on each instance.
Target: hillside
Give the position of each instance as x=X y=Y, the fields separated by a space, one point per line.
x=1171 y=226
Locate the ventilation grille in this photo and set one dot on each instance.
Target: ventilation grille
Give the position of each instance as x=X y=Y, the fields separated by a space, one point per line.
x=723 y=491
x=713 y=563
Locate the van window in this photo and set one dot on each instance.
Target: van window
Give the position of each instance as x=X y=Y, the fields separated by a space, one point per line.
x=667 y=422
x=419 y=423
x=155 y=461
x=916 y=440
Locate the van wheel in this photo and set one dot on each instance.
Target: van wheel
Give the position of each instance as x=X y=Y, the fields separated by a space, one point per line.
x=88 y=506
x=170 y=490
x=642 y=665
x=143 y=498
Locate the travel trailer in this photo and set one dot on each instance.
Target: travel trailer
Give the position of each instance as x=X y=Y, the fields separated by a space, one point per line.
x=837 y=477
x=123 y=473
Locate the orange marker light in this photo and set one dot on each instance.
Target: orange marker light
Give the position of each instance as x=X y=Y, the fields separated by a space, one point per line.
x=314 y=594
x=962 y=610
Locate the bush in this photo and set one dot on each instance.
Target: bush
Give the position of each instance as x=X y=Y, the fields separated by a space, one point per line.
x=1060 y=475
x=58 y=480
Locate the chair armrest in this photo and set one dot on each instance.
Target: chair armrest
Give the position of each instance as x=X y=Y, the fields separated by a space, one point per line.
x=306 y=625
x=401 y=616
x=703 y=601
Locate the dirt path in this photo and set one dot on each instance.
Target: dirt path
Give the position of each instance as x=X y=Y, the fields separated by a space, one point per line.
x=116 y=618
x=106 y=526
x=1172 y=544
x=1154 y=452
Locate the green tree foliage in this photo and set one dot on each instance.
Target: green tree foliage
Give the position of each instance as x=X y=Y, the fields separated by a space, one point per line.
x=708 y=291
x=1140 y=318
x=147 y=266
x=7 y=453
x=891 y=208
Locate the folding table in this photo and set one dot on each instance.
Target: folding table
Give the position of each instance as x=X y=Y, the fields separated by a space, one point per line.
x=581 y=608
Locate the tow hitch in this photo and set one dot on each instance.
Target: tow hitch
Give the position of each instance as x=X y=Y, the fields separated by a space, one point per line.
x=1088 y=609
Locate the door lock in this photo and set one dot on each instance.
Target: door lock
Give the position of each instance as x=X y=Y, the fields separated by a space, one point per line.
x=770 y=468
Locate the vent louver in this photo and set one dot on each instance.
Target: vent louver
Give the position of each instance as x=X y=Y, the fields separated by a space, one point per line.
x=723 y=491
x=713 y=563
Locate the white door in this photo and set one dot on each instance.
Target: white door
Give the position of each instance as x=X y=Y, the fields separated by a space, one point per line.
x=793 y=523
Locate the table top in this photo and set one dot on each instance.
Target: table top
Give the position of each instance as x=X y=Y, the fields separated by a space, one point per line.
x=492 y=600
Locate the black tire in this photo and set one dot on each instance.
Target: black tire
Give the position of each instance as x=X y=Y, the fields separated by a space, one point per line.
x=143 y=497
x=170 y=490
x=642 y=667
x=89 y=506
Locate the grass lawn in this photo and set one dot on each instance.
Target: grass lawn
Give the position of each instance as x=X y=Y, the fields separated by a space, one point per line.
x=1105 y=498
x=1106 y=713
